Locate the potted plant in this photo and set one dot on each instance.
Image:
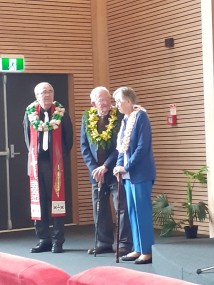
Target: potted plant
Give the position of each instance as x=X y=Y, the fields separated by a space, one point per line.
x=163 y=212
x=198 y=211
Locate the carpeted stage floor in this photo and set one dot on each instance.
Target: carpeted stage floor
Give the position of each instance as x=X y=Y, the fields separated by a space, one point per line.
x=173 y=256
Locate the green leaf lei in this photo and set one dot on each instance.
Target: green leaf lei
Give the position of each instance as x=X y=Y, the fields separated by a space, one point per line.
x=103 y=139
x=38 y=124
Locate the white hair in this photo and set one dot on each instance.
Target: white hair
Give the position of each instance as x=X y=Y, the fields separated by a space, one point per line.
x=96 y=90
x=39 y=86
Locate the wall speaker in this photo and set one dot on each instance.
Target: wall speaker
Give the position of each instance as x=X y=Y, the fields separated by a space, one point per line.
x=169 y=42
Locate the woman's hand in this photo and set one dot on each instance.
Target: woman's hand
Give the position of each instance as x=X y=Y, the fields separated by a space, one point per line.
x=118 y=170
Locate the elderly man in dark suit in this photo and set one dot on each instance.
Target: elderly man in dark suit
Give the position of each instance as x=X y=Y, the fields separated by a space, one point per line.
x=100 y=125
x=49 y=138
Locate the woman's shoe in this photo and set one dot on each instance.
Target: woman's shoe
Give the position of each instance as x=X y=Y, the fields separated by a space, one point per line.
x=142 y=261
x=129 y=258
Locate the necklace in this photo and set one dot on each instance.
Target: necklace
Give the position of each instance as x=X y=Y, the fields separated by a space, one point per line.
x=38 y=124
x=103 y=139
x=129 y=127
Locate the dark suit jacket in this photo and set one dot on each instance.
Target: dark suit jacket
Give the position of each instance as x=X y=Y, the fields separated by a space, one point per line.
x=67 y=135
x=89 y=153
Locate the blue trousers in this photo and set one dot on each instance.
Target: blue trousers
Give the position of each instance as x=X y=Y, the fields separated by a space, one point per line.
x=139 y=204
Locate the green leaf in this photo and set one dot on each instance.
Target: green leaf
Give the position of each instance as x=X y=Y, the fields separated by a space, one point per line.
x=162 y=211
x=169 y=227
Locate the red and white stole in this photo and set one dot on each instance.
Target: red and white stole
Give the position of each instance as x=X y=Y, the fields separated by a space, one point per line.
x=58 y=191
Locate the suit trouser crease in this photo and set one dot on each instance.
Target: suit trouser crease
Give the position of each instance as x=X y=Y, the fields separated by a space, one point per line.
x=105 y=228
x=42 y=226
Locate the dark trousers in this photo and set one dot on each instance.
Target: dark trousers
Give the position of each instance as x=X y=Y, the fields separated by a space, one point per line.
x=103 y=218
x=42 y=226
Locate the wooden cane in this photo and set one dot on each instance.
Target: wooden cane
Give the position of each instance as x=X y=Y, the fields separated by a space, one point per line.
x=98 y=209
x=118 y=219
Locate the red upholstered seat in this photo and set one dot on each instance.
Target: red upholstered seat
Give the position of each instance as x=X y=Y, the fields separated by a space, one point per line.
x=16 y=270
x=110 y=275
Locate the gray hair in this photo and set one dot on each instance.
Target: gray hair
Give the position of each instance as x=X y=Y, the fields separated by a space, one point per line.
x=126 y=92
x=96 y=90
x=39 y=86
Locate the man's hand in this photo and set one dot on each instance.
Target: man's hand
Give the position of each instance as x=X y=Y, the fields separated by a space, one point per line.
x=98 y=173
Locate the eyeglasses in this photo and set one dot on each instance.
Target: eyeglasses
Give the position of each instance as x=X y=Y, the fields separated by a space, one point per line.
x=44 y=92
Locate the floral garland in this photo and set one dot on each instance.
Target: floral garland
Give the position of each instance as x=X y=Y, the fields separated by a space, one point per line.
x=103 y=139
x=38 y=124
x=129 y=127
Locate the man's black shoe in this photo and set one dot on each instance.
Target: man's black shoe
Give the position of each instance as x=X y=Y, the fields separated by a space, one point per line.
x=100 y=250
x=123 y=251
x=57 y=248
x=41 y=247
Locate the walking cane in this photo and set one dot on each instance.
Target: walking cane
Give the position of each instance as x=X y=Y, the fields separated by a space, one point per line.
x=118 y=218
x=98 y=209
x=198 y=271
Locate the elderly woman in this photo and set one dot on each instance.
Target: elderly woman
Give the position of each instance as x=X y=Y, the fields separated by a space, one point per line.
x=136 y=165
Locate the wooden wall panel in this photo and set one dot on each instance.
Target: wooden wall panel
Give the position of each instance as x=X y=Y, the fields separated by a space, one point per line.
x=160 y=76
x=58 y=36
x=55 y=36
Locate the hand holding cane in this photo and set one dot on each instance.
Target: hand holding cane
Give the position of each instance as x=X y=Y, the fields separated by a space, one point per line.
x=118 y=218
x=98 y=209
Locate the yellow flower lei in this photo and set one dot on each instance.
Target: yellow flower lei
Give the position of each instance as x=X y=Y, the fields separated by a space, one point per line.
x=91 y=119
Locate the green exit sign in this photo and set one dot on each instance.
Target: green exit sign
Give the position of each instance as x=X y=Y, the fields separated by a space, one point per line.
x=11 y=64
